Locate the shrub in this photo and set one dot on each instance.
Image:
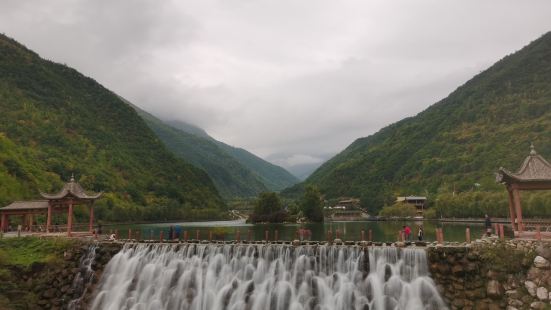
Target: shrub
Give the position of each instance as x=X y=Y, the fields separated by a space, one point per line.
x=399 y=209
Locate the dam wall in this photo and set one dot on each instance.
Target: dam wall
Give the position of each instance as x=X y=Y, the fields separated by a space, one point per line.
x=486 y=274
x=493 y=274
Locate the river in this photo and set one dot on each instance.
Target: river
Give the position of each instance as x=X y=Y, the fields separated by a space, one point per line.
x=382 y=231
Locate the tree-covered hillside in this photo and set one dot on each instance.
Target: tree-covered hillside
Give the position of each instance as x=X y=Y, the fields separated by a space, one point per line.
x=230 y=177
x=272 y=176
x=54 y=122
x=486 y=123
x=235 y=171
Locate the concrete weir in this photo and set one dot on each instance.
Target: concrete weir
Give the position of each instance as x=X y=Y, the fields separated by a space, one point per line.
x=485 y=274
x=266 y=276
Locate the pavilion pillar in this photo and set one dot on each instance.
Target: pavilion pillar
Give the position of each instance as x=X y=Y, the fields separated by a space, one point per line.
x=91 y=224
x=511 y=209
x=24 y=222
x=4 y=222
x=70 y=219
x=518 y=209
x=49 y=219
x=31 y=221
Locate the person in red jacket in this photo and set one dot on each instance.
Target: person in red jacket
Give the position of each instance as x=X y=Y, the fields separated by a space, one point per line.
x=407 y=232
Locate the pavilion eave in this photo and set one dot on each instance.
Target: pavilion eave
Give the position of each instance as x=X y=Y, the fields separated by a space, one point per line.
x=72 y=189
x=534 y=174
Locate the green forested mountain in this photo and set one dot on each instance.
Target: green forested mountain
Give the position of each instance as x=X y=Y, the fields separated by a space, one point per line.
x=486 y=123
x=54 y=121
x=235 y=171
x=274 y=177
x=230 y=177
x=188 y=128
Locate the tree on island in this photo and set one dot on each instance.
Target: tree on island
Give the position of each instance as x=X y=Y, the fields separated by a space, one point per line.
x=311 y=204
x=399 y=210
x=268 y=208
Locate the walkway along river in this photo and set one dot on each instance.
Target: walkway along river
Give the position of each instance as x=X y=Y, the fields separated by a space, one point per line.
x=385 y=231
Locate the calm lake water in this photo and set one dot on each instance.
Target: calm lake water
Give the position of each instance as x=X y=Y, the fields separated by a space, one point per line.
x=383 y=231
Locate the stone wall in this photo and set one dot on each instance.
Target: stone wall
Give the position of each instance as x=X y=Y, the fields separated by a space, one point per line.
x=486 y=274
x=54 y=284
x=493 y=274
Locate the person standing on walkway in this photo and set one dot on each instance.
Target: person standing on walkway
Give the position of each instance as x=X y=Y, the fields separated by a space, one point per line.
x=420 y=233
x=407 y=232
x=177 y=231
x=170 y=233
x=488 y=225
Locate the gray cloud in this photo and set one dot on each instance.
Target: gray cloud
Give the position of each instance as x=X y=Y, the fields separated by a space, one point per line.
x=293 y=81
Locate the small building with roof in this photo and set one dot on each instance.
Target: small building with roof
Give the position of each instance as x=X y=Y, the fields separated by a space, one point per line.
x=347 y=204
x=419 y=202
x=71 y=195
x=533 y=174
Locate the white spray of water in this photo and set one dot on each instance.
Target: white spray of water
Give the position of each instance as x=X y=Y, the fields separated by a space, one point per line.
x=273 y=277
x=83 y=278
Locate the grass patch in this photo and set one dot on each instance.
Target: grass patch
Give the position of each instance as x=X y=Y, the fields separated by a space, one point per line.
x=506 y=259
x=25 y=251
x=17 y=258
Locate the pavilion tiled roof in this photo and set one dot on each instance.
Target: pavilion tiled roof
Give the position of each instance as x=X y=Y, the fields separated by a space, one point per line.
x=72 y=188
x=26 y=205
x=534 y=169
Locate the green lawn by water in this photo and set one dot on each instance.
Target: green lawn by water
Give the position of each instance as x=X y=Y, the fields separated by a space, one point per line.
x=25 y=251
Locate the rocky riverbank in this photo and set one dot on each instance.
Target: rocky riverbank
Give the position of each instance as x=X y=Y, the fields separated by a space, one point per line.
x=54 y=282
x=69 y=285
x=486 y=274
x=493 y=274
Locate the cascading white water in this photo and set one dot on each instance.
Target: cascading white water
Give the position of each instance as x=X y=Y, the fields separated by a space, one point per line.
x=83 y=278
x=274 y=277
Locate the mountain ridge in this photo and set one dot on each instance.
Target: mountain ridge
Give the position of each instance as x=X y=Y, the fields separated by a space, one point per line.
x=274 y=177
x=55 y=121
x=487 y=122
x=229 y=176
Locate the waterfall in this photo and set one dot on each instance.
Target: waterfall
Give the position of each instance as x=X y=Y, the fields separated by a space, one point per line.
x=83 y=278
x=274 y=277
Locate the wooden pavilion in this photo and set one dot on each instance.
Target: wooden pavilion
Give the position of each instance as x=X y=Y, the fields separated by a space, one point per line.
x=71 y=194
x=534 y=174
x=25 y=209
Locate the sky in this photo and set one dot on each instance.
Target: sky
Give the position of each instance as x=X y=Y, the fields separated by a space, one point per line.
x=293 y=81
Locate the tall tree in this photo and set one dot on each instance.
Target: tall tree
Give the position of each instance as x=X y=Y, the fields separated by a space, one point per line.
x=268 y=208
x=312 y=205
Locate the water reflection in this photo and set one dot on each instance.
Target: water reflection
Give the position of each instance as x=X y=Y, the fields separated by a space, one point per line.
x=386 y=231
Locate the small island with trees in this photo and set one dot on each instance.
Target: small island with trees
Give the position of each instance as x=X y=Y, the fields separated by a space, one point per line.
x=269 y=208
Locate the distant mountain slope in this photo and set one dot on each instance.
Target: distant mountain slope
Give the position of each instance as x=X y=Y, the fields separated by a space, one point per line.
x=303 y=171
x=272 y=176
x=461 y=140
x=54 y=121
x=188 y=128
x=230 y=177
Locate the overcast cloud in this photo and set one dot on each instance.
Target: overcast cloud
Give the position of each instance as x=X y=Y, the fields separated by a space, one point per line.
x=292 y=81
